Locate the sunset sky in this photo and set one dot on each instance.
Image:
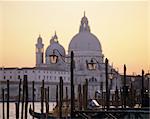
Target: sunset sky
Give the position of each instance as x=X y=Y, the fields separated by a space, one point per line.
x=123 y=28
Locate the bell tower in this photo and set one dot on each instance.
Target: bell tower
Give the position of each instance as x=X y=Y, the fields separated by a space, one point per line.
x=39 y=51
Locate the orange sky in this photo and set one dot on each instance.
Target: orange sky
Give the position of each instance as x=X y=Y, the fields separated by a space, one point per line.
x=122 y=28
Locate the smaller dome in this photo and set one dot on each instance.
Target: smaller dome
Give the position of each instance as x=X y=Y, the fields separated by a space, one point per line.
x=55 y=47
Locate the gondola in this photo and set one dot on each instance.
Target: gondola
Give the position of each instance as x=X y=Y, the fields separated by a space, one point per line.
x=50 y=115
x=40 y=115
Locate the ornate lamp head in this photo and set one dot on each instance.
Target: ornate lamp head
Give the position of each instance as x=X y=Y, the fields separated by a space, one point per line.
x=53 y=58
x=91 y=65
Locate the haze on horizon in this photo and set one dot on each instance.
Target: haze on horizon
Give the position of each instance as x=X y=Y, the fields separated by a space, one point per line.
x=121 y=27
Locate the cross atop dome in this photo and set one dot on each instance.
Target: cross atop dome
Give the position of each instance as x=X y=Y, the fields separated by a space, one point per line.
x=54 y=38
x=84 y=24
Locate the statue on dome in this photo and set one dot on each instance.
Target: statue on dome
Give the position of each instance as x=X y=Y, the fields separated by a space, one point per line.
x=54 y=39
x=84 y=24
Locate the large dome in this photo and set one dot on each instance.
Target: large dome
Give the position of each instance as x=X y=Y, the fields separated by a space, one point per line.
x=85 y=40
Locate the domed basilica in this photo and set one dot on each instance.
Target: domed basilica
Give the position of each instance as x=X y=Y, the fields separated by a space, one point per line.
x=87 y=50
x=88 y=64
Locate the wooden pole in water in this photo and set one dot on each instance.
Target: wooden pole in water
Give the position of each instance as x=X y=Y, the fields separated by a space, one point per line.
x=67 y=96
x=86 y=93
x=23 y=94
x=60 y=97
x=84 y=97
x=48 y=94
x=121 y=97
x=72 y=85
x=19 y=96
x=79 y=97
x=33 y=89
x=56 y=95
x=124 y=88
x=17 y=110
x=26 y=100
x=116 y=97
x=47 y=100
x=7 y=99
x=107 y=89
x=42 y=97
x=3 y=99
x=142 y=89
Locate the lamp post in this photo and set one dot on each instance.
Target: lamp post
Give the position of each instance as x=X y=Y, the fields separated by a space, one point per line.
x=54 y=60
x=8 y=99
x=125 y=88
x=72 y=84
x=92 y=66
x=132 y=92
x=147 y=78
x=142 y=89
x=107 y=90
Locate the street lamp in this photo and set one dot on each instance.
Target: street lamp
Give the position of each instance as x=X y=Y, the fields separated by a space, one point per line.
x=92 y=66
x=54 y=59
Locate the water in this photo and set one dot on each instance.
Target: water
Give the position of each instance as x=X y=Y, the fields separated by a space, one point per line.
x=12 y=110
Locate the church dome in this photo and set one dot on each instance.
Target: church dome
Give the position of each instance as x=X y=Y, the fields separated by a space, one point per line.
x=85 y=40
x=54 y=45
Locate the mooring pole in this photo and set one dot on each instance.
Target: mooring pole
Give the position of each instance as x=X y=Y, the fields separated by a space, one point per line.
x=57 y=95
x=17 y=110
x=72 y=84
x=107 y=90
x=60 y=97
x=33 y=89
x=67 y=96
x=47 y=99
x=48 y=94
x=46 y=102
x=7 y=99
x=79 y=97
x=86 y=93
x=142 y=90
x=42 y=96
x=19 y=96
x=3 y=99
x=124 y=87
x=84 y=97
x=116 y=97
x=23 y=95
x=26 y=102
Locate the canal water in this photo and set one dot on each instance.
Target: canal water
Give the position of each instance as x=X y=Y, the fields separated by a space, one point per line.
x=12 y=111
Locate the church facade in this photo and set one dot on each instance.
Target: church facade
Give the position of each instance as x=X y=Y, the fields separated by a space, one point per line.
x=87 y=50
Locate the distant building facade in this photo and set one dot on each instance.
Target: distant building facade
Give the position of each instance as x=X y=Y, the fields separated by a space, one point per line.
x=87 y=49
